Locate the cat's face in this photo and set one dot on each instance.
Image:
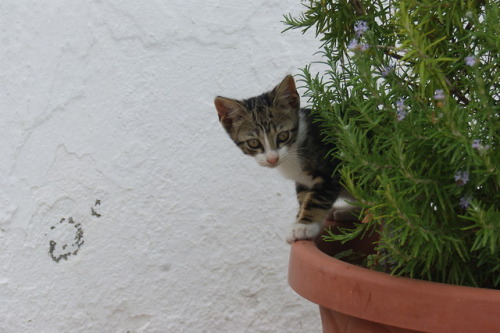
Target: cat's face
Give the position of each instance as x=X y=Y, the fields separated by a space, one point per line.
x=266 y=134
x=266 y=126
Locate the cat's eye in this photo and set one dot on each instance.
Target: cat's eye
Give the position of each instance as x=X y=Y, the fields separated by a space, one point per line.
x=283 y=136
x=253 y=143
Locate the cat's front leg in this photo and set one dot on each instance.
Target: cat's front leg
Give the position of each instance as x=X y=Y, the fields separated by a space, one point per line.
x=315 y=204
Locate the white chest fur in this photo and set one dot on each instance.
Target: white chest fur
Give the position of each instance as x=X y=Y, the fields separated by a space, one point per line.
x=290 y=168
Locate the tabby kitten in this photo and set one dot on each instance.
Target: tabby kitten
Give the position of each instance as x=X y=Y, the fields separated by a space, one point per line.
x=279 y=134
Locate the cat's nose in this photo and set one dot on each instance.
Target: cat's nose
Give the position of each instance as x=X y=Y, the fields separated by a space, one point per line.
x=272 y=159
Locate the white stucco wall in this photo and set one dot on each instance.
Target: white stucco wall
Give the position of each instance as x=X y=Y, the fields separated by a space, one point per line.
x=124 y=207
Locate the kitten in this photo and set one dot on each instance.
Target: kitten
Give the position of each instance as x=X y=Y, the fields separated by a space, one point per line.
x=279 y=134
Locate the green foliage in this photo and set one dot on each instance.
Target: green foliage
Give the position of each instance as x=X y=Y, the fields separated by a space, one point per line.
x=410 y=97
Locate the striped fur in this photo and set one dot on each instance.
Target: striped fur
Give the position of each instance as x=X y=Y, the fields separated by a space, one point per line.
x=279 y=134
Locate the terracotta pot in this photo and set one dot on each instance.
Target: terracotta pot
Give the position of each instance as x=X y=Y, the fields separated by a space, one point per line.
x=358 y=300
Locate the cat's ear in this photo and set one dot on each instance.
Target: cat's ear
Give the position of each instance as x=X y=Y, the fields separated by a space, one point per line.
x=285 y=94
x=228 y=110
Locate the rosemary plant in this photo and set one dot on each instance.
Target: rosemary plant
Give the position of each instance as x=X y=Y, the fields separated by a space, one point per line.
x=410 y=96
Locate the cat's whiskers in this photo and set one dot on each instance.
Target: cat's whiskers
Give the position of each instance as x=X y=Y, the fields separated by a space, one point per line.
x=291 y=152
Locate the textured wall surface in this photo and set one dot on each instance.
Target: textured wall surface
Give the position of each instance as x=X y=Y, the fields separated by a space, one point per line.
x=124 y=207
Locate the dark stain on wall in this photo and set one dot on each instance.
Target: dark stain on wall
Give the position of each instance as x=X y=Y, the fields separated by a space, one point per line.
x=67 y=236
x=65 y=249
x=92 y=209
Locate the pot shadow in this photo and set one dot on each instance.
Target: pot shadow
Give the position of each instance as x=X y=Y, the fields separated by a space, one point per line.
x=362 y=246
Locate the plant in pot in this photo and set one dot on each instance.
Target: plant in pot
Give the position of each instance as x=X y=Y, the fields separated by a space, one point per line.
x=410 y=96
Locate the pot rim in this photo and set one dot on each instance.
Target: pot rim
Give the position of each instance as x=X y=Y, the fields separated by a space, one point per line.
x=391 y=300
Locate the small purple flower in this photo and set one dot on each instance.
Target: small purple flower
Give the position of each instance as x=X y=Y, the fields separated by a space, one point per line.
x=470 y=61
x=355 y=46
x=461 y=178
x=439 y=95
x=401 y=115
x=476 y=144
x=387 y=70
x=465 y=201
x=360 y=28
x=400 y=104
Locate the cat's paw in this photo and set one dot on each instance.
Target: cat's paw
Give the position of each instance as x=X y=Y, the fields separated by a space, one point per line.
x=301 y=231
